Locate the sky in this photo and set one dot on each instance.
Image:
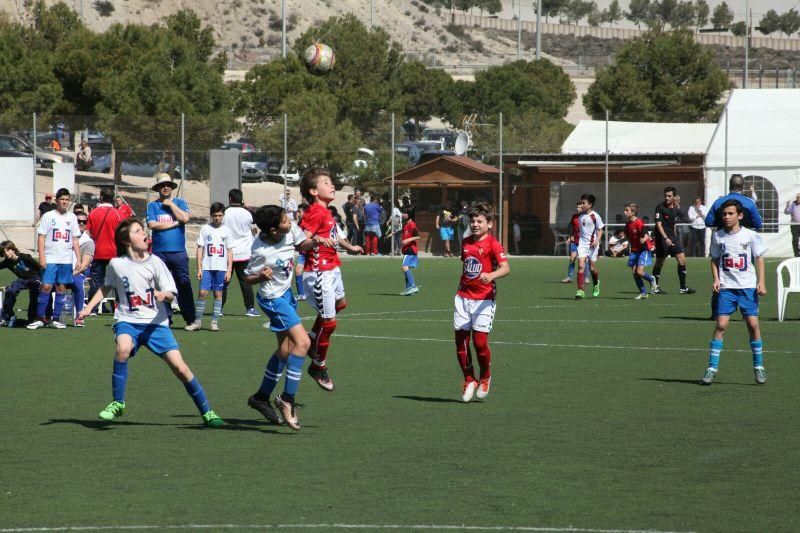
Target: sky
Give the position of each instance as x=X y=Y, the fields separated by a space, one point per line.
x=758 y=7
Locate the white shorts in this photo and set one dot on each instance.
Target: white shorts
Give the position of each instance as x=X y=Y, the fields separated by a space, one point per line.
x=322 y=290
x=585 y=251
x=477 y=315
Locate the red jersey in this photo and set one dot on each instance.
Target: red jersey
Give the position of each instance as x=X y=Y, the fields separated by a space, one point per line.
x=102 y=224
x=318 y=221
x=635 y=231
x=410 y=230
x=575 y=228
x=479 y=256
x=126 y=211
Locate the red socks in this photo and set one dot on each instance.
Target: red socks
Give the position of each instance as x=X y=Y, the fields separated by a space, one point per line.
x=321 y=342
x=463 y=354
x=581 y=278
x=480 y=340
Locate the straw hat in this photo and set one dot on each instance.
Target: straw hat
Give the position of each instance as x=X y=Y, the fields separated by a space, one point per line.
x=162 y=178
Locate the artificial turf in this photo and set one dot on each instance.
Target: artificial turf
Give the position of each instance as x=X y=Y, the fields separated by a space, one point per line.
x=595 y=419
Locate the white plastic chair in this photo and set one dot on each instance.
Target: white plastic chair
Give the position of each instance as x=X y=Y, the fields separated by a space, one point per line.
x=793 y=267
x=560 y=240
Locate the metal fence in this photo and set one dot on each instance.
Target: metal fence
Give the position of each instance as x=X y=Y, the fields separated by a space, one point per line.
x=519 y=166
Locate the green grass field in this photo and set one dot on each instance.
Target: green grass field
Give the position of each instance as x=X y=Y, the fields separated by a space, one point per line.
x=595 y=420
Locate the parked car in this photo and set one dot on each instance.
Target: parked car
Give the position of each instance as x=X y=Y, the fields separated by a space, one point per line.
x=254 y=166
x=276 y=171
x=138 y=164
x=242 y=147
x=44 y=157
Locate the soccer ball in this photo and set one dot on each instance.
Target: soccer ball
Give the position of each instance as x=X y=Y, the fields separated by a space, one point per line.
x=320 y=57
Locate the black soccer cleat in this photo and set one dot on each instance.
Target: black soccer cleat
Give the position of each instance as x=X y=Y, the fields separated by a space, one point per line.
x=321 y=377
x=265 y=409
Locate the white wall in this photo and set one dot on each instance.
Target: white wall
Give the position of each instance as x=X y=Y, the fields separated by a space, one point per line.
x=16 y=189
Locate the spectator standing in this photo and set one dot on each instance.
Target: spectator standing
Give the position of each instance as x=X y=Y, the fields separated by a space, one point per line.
x=124 y=208
x=395 y=225
x=358 y=219
x=372 y=225
x=289 y=205
x=516 y=230
x=167 y=218
x=793 y=209
x=347 y=209
x=84 y=158
x=239 y=222
x=44 y=207
x=444 y=223
x=79 y=269
x=463 y=223
x=697 y=215
x=751 y=217
x=101 y=224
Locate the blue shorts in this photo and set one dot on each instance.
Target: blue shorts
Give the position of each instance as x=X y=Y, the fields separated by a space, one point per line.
x=573 y=248
x=57 y=273
x=373 y=228
x=301 y=259
x=213 y=280
x=641 y=258
x=745 y=299
x=282 y=311
x=446 y=233
x=410 y=260
x=158 y=339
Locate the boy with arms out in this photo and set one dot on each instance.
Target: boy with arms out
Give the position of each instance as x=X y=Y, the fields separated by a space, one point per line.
x=144 y=287
x=484 y=261
x=214 y=266
x=271 y=266
x=409 y=240
x=322 y=279
x=641 y=250
x=58 y=238
x=737 y=268
x=591 y=234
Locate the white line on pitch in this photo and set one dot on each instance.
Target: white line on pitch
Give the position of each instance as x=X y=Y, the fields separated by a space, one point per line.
x=528 y=320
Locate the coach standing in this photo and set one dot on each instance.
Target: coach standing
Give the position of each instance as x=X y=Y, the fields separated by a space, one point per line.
x=793 y=210
x=167 y=218
x=751 y=217
x=101 y=225
x=239 y=222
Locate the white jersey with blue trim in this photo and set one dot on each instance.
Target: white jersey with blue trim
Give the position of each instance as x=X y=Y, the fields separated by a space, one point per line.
x=135 y=283
x=278 y=257
x=58 y=231
x=735 y=255
x=216 y=244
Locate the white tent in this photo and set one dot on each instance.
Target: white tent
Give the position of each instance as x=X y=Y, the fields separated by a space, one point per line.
x=632 y=138
x=758 y=136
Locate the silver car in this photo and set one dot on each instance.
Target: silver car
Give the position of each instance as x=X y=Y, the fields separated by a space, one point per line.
x=44 y=157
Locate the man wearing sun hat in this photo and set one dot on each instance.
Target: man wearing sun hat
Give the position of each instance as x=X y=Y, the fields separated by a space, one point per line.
x=166 y=219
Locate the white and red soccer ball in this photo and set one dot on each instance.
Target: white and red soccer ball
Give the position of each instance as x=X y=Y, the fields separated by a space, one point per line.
x=320 y=57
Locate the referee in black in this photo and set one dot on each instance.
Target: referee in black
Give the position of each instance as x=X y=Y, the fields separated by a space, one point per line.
x=668 y=213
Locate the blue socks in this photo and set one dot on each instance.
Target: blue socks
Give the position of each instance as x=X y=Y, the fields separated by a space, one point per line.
x=119 y=378
x=197 y=393
x=217 y=310
x=757 y=347
x=571 y=269
x=713 y=354
x=639 y=283
x=59 y=305
x=298 y=283
x=199 y=308
x=272 y=374
x=42 y=303
x=648 y=278
x=409 y=278
x=294 y=370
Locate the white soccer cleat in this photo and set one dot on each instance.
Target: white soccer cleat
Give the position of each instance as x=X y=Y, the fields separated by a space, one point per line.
x=194 y=326
x=36 y=324
x=483 y=388
x=468 y=390
x=55 y=324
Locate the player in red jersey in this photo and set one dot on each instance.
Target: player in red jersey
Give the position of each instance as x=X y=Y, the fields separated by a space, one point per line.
x=574 y=231
x=410 y=257
x=642 y=246
x=322 y=279
x=484 y=261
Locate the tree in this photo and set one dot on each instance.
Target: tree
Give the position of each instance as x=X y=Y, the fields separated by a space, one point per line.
x=770 y=22
x=613 y=13
x=662 y=11
x=790 y=22
x=739 y=29
x=365 y=62
x=419 y=92
x=522 y=85
x=638 y=12
x=552 y=8
x=577 y=10
x=722 y=17
x=701 y=12
x=528 y=132
x=595 y=17
x=659 y=77
x=683 y=16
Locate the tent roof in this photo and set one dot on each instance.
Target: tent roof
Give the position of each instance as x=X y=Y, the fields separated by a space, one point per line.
x=632 y=138
x=763 y=130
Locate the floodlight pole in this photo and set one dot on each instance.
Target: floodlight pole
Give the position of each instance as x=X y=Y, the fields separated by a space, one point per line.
x=371 y=14
x=283 y=31
x=394 y=206
x=749 y=16
x=519 y=29
x=605 y=214
x=285 y=150
x=183 y=152
x=34 y=159
x=538 y=29
x=500 y=217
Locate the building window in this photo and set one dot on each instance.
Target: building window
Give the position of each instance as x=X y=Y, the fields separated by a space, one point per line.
x=767 y=201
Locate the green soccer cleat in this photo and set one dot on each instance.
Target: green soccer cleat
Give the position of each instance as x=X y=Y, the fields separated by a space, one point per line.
x=596 y=290
x=113 y=410
x=580 y=295
x=212 y=420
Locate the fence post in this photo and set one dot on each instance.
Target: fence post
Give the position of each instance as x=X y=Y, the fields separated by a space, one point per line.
x=391 y=215
x=183 y=152
x=500 y=217
x=285 y=151
x=34 y=165
x=605 y=214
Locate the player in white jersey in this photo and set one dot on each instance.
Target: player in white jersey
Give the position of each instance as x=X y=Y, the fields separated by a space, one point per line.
x=591 y=234
x=214 y=266
x=271 y=266
x=737 y=267
x=143 y=287
x=58 y=235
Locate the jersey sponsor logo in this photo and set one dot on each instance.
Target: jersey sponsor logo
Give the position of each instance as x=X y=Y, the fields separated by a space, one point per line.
x=212 y=250
x=164 y=218
x=730 y=262
x=285 y=266
x=472 y=267
x=62 y=235
x=136 y=301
